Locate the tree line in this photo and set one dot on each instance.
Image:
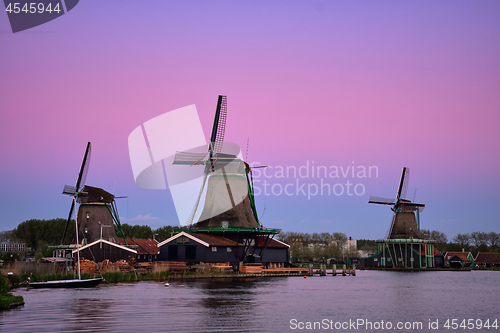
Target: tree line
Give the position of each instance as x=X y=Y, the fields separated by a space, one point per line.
x=39 y=234
x=317 y=246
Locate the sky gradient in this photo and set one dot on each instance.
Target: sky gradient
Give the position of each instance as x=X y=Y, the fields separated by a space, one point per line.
x=365 y=83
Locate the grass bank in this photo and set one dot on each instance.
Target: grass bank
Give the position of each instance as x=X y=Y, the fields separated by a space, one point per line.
x=114 y=277
x=7 y=300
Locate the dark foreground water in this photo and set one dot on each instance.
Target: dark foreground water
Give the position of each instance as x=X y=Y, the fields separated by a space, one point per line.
x=291 y=304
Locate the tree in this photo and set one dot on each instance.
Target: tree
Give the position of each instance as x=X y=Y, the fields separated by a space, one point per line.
x=479 y=239
x=339 y=239
x=137 y=231
x=462 y=239
x=164 y=233
x=493 y=240
x=7 y=236
x=39 y=233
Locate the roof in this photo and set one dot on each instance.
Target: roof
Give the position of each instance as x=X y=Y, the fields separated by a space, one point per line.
x=488 y=257
x=204 y=239
x=215 y=240
x=273 y=243
x=145 y=246
x=106 y=242
x=185 y=234
x=460 y=256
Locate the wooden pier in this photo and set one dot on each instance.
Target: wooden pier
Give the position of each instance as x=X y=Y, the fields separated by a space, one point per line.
x=322 y=270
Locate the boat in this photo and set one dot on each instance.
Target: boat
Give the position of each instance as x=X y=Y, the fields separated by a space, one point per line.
x=75 y=283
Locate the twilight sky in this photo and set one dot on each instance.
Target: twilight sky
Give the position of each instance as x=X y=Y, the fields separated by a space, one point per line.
x=339 y=84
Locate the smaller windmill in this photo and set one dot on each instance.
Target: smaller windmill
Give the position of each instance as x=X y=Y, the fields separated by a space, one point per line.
x=404 y=224
x=97 y=208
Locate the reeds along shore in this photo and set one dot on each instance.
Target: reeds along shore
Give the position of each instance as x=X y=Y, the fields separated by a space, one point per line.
x=123 y=271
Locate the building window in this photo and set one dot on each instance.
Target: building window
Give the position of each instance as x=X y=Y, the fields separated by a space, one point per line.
x=172 y=252
x=190 y=252
x=228 y=249
x=214 y=249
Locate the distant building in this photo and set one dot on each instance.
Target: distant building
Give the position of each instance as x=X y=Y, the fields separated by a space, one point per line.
x=13 y=247
x=102 y=249
x=457 y=259
x=487 y=259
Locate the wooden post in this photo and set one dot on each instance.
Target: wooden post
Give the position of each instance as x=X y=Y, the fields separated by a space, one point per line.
x=343 y=270
x=334 y=270
x=310 y=269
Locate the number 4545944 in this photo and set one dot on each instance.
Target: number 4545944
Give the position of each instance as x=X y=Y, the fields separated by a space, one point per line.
x=470 y=324
x=32 y=8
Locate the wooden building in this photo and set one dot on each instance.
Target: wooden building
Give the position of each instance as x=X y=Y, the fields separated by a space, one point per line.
x=213 y=248
x=487 y=259
x=147 y=249
x=102 y=249
x=457 y=259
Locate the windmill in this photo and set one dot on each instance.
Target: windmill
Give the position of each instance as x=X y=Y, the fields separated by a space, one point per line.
x=229 y=192
x=404 y=225
x=97 y=207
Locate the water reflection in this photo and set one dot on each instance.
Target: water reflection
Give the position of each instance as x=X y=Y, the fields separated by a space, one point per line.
x=229 y=303
x=258 y=305
x=91 y=315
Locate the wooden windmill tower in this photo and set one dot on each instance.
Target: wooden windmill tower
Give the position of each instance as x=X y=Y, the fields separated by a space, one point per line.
x=97 y=214
x=403 y=246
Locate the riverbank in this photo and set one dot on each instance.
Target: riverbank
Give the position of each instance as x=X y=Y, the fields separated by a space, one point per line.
x=115 y=277
x=7 y=300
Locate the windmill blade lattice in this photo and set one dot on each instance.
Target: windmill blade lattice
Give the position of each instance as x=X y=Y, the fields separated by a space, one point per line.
x=381 y=201
x=219 y=127
x=80 y=183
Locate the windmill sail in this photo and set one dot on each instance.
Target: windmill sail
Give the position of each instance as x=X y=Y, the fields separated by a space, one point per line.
x=219 y=126
x=403 y=184
x=80 y=183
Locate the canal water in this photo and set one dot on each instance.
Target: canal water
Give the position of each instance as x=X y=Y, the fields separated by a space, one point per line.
x=372 y=301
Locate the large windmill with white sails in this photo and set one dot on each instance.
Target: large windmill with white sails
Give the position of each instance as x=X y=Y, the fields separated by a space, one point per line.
x=225 y=203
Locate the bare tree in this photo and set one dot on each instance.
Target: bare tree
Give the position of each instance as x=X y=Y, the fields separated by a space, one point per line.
x=462 y=239
x=493 y=239
x=479 y=238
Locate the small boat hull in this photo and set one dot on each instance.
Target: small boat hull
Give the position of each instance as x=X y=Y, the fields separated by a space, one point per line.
x=87 y=283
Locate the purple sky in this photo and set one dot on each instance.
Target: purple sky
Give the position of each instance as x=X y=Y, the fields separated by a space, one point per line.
x=381 y=83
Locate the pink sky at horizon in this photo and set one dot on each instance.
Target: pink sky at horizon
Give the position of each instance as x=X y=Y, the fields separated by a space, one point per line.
x=378 y=83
